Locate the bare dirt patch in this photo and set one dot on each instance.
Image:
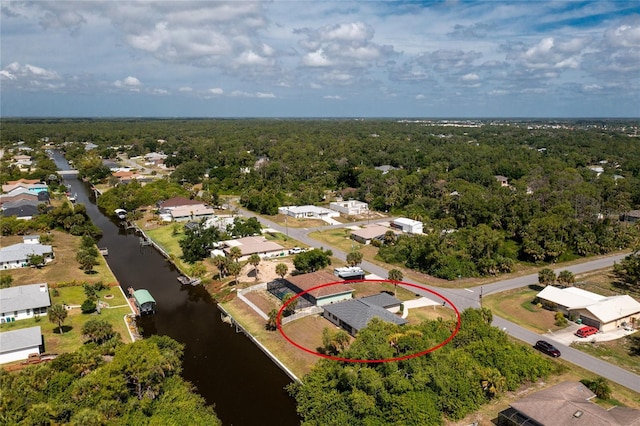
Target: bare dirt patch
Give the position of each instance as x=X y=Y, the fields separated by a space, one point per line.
x=430 y=313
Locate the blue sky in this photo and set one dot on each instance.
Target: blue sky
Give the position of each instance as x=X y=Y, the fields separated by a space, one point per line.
x=320 y=59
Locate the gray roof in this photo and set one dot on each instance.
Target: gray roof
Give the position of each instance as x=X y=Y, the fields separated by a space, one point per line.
x=384 y=300
x=358 y=312
x=23 y=338
x=24 y=297
x=20 y=211
x=22 y=251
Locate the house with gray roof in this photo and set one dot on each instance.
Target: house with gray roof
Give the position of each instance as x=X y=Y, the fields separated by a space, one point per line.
x=17 y=255
x=567 y=403
x=24 y=301
x=16 y=345
x=353 y=315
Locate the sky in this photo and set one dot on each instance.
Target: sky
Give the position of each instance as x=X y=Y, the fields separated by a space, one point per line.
x=427 y=59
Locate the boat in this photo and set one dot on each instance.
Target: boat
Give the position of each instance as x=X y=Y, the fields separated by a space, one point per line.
x=73 y=197
x=184 y=280
x=120 y=214
x=103 y=251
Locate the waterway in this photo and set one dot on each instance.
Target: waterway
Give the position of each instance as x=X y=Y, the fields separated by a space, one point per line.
x=229 y=371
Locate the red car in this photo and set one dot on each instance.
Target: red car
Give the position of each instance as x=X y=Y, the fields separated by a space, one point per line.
x=586 y=331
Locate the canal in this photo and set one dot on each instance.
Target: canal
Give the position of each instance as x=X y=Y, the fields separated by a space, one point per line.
x=231 y=373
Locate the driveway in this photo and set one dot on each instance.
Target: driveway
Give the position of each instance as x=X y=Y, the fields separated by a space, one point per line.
x=566 y=336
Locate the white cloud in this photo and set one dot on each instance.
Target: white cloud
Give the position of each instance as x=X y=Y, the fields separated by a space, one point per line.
x=420 y=97
x=215 y=91
x=333 y=97
x=470 y=77
x=129 y=83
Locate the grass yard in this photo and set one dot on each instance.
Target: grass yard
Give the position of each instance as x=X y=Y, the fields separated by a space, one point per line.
x=64 y=268
x=516 y=306
x=430 y=313
x=71 y=337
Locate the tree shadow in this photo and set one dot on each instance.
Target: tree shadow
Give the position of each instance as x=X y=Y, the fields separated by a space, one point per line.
x=91 y=272
x=535 y=287
x=65 y=329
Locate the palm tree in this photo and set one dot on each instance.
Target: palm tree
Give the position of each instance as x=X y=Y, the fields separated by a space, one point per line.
x=354 y=258
x=566 y=277
x=57 y=314
x=235 y=253
x=272 y=321
x=395 y=275
x=341 y=340
x=254 y=260
x=220 y=262
x=546 y=276
x=234 y=269
x=282 y=269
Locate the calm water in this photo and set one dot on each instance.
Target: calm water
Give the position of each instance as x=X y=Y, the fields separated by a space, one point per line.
x=231 y=373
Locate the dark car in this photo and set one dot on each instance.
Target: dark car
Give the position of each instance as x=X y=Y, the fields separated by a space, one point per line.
x=547 y=348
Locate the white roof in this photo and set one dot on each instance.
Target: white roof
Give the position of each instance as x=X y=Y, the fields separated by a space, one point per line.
x=22 y=251
x=251 y=245
x=406 y=221
x=614 y=307
x=307 y=209
x=23 y=338
x=24 y=297
x=570 y=297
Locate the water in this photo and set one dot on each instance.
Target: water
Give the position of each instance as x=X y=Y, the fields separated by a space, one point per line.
x=231 y=373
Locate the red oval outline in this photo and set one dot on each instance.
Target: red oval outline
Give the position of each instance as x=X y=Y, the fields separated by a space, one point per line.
x=371 y=361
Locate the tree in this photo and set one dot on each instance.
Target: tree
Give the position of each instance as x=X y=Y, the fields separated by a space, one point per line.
x=395 y=275
x=235 y=253
x=272 y=323
x=312 y=260
x=599 y=386
x=291 y=307
x=86 y=260
x=566 y=277
x=221 y=263
x=282 y=269
x=57 y=314
x=35 y=260
x=254 y=260
x=97 y=331
x=6 y=280
x=88 y=306
x=354 y=258
x=234 y=269
x=546 y=276
x=198 y=270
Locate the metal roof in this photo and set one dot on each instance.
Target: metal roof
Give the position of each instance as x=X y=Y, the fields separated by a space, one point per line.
x=23 y=338
x=23 y=297
x=143 y=296
x=22 y=251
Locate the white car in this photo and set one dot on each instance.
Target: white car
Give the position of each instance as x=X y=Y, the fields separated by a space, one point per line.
x=295 y=250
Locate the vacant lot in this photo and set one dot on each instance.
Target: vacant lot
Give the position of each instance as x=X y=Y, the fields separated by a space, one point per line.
x=64 y=267
x=517 y=306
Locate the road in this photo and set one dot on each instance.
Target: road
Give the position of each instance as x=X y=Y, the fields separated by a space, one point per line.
x=469 y=298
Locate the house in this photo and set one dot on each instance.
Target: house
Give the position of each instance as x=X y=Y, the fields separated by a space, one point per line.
x=192 y=212
x=31 y=239
x=631 y=216
x=604 y=313
x=17 y=345
x=409 y=226
x=23 y=302
x=502 y=180
x=385 y=168
x=353 y=315
x=174 y=202
x=567 y=403
x=17 y=255
x=154 y=158
x=254 y=245
x=308 y=212
x=19 y=194
x=321 y=296
x=368 y=233
x=20 y=183
x=350 y=207
x=23 y=210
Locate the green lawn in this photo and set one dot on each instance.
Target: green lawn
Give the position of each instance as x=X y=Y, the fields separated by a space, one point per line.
x=615 y=351
x=71 y=338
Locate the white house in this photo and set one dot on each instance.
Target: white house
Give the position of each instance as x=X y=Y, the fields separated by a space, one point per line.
x=409 y=226
x=18 y=344
x=254 y=245
x=23 y=302
x=604 y=313
x=350 y=207
x=308 y=212
x=17 y=255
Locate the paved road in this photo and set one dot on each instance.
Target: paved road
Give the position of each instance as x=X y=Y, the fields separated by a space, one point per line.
x=469 y=298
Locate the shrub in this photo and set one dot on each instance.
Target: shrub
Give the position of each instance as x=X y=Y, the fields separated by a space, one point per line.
x=88 y=306
x=560 y=319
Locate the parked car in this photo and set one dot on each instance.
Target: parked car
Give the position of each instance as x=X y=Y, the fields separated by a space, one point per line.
x=295 y=250
x=586 y=331
x=547 y=348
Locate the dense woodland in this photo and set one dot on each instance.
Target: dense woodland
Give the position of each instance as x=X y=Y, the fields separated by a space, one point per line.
x=477 y=365
x=555 y=208
x=138 y=383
